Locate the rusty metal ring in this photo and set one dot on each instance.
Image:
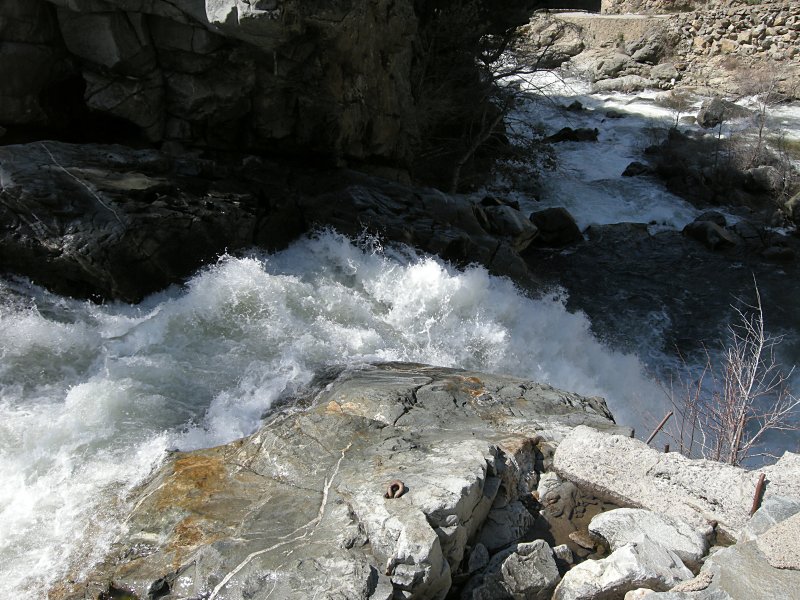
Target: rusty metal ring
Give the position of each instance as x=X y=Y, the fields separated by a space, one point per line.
x=395 y=488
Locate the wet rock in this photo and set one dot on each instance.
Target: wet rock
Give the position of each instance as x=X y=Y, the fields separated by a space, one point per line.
x=626 y=83
x=568 y=134
x=298 y=508
x=108 y=221
x=710 y=234
x=636 y=169
x=632 y=566
x=509 y=223
x=713 y=216
x=575 y=106
x=624 y=525
x=702 y=493
x=778 y=253
x=715 y=111
x=556 y=226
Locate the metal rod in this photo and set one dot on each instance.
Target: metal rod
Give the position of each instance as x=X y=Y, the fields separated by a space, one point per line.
x=660 y=425
x=759 y=493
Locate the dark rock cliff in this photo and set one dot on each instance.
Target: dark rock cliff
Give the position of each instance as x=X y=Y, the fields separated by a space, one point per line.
x=337 y=80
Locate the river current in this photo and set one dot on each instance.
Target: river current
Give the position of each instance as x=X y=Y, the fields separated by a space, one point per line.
x=92 y=397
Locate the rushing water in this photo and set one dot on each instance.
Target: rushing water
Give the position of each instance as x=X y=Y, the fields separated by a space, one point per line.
x=92 y=396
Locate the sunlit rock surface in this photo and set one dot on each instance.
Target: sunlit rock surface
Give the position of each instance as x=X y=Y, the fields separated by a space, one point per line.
x=299 y=508
x=704 y=493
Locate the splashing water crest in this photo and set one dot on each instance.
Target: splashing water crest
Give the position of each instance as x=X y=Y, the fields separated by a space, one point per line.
x=91 y=397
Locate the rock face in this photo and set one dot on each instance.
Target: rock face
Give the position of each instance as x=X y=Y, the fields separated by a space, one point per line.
x=334 y=81
x=700 y=492
x=112 y=222
x=325 y=78
x=299 y=509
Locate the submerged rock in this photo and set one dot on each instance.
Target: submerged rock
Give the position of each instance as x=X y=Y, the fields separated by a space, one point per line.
x=298 y=509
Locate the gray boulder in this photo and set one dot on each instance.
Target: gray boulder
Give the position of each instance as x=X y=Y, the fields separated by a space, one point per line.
x=633 y=565
x=711 y=235
x=511 y=224
x=703 y=493
x=766 y=567
x=626 y=83
x=625 y=525
x=525 y=571
x=299 y=509
x=773 y=510
x=557 y=227
x=715 y=111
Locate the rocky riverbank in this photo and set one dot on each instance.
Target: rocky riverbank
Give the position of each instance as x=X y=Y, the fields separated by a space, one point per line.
x=721 y=48
x=112 y=222
x=408 y=481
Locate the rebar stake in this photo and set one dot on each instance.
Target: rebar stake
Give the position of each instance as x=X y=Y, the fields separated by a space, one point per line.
x=657 y=429
x=759 y=493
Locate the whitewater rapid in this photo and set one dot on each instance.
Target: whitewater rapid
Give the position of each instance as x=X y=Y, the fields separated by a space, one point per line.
x=92 y=397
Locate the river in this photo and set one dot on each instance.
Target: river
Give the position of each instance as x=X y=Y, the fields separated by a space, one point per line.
x=92 y=397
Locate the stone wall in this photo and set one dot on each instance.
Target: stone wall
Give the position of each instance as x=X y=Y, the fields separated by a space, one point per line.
x=767 y=30
x=717 y=49
x=659 y=7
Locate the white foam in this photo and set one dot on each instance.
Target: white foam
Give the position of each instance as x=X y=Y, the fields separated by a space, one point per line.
x=199 y=366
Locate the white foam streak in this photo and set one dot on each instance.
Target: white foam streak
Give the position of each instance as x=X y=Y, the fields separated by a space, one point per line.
x=92 y=396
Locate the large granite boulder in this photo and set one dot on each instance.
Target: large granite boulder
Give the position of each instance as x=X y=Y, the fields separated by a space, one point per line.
x=300 y=508
x=108 y=221
x=706 y=494
x=337 y=81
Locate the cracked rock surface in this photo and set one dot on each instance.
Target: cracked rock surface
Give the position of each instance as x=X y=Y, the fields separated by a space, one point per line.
x=297 y=510
x=705 y=494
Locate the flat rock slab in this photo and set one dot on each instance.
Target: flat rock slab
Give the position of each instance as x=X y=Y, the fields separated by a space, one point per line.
x=700 y=492
x=298 y=510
